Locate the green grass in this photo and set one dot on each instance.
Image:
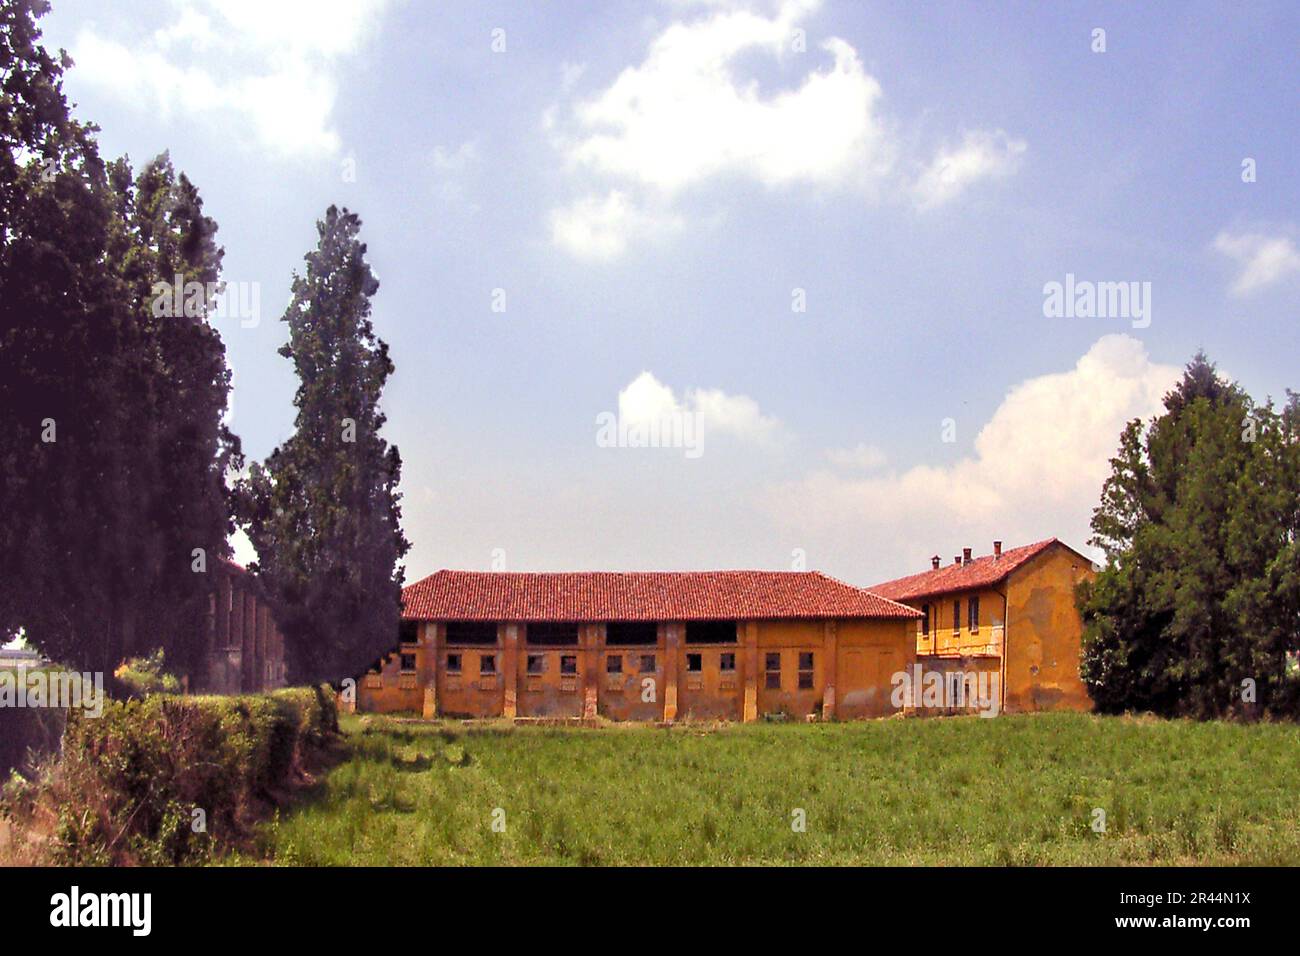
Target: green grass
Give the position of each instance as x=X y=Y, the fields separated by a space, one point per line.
x=1013 y=790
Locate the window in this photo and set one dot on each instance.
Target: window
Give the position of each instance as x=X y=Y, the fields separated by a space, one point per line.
x=487 y=664
x=408 y=663
x=632 y=632
x=772 y=666
x=569 y=664
x=974 y=605
x=694 y=663
x=553 y=633
x=614 y=664
x=537 y=663
x=925 y=621
x=727 y=662
x=471 y=632
x=453 y=663
x=710 y=632
x=956 y=616
x=805 y=670
x=647 y=663
x=409 y=632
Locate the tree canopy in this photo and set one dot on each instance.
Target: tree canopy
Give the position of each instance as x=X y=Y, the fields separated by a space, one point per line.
x=323 y=511
x=113 y=456
x=1198 y=609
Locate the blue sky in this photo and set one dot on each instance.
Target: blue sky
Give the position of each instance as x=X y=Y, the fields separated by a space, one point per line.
x=649 y=189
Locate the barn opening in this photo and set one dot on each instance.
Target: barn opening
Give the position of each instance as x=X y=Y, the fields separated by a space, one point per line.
x=471 y=632
x=631 y=633
x=710 y=632
x=553 y=634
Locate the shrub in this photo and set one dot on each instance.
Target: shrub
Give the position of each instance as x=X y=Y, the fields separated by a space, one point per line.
x=146 y=675
x=168 y=779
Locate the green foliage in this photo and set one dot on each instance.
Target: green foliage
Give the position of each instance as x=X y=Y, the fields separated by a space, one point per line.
x=1200 y=523
x=129 y=783
x=1016 y=790
x=323 y=513
x=147 y=675
x=113 y=455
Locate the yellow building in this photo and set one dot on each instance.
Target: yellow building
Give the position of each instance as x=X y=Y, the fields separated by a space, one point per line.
x=1011 y=614
x=730 y=645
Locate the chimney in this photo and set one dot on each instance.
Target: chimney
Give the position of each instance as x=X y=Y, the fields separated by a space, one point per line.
x=997 y=550
x=965 y=555
x=956 y=559
x=934 y=562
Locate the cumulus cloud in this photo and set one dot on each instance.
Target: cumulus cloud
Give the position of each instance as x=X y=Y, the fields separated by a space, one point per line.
x=682 y=116
x=688 y=115
x=270 y=65
x=860 y=457
x=981 y=155
x=1262 y=259
x=600 y=228
x=648 y=401
x=1036 y=470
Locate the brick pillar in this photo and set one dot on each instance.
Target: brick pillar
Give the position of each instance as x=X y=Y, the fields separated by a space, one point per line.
x=235 y=683
x=830 y=669
x=260 y=645
x=592 y=639
x=671 y=641
x=248 y=680
x=750 y=658
x=277 y=653
x=510 y=668
x=222 y=618
x=430 y=636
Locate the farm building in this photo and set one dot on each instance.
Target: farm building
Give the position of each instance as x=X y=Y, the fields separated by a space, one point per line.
x=734 y=645
x=729 y=645
x=245 y=647
x=1011 y=613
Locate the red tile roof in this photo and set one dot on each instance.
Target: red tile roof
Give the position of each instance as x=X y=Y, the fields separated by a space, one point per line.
x=980 y=572
x=640 y=596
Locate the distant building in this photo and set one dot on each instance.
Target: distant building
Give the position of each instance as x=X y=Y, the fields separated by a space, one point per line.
x=1010 y=612
x=732 y=645
x=245 y=647
x=20 y=657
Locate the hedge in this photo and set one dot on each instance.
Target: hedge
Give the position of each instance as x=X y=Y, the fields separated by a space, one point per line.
x=169 y=779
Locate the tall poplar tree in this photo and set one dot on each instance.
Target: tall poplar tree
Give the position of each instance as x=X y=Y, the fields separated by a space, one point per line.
x=323 y=512
x=113 y=454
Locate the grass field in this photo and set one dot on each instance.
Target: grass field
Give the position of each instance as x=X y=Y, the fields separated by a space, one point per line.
x=1014 y=790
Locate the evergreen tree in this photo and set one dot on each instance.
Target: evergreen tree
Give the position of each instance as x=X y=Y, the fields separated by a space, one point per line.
x=1198 y=524
x=112 y=454
x=323 y=513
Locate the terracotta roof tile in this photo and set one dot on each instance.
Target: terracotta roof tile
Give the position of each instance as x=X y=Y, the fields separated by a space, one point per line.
x=978 y=573
x=640 y=596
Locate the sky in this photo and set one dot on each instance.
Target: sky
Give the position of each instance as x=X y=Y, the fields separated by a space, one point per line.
x=818 y=250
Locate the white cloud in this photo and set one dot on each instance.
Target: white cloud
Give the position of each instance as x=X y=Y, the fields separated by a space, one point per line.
x=1263 y=259
x=600 y=229
x=646 y=401
x=270 y=64
x=454 y=160
x=687 y=115
x=981 y=155
x=570 y=74
x=860 y=457
x=682 y=116
x=1036 y=471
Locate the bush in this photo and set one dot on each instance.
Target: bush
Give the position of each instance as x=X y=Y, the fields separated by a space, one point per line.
x=146 y=675
x=168 y=779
